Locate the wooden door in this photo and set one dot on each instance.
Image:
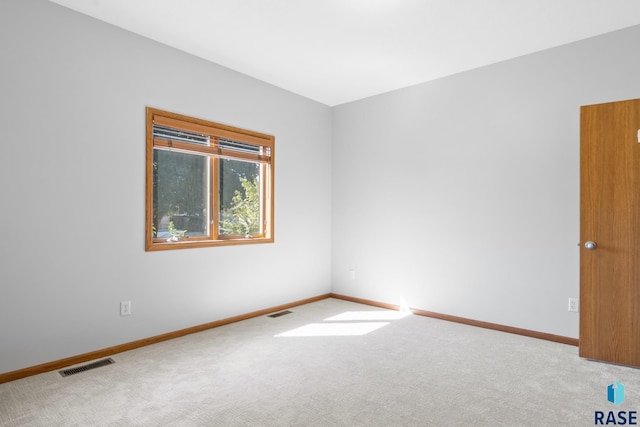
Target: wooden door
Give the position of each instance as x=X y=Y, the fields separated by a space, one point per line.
x=610 y=217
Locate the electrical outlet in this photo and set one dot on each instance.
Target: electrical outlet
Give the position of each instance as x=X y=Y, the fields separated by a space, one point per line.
x=573 y=304
x=352 y=275
x=125 y=308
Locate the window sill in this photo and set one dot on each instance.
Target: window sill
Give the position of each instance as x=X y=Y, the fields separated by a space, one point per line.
x=161 y=245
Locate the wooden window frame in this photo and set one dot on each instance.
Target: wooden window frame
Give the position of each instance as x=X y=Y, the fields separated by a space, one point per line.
x=214 y=153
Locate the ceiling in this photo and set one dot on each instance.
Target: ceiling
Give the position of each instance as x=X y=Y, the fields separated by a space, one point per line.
x=337 y=51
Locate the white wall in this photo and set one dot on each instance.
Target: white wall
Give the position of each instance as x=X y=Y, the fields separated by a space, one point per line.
x=73 y=92
x=475 y=214
x=461 y=195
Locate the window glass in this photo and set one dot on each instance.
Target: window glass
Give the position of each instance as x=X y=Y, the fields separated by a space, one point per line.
x=240 y=198
x=180 y=194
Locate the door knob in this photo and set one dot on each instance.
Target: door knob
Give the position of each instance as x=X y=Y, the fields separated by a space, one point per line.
x=590 y=245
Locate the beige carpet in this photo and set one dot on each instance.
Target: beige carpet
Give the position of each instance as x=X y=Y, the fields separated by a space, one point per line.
x=330 y=363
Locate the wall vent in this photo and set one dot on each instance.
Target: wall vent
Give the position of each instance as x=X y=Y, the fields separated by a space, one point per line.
x=87 y=367
x=281 y=313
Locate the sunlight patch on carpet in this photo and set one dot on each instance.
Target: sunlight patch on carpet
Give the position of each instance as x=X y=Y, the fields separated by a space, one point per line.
x=334 y=329
x=368 y=315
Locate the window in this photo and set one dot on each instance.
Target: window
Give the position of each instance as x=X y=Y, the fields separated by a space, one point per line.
x=207 y=184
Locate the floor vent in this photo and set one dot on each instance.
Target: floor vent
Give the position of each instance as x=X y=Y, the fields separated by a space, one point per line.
x=87 y=367
x=281 y=313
